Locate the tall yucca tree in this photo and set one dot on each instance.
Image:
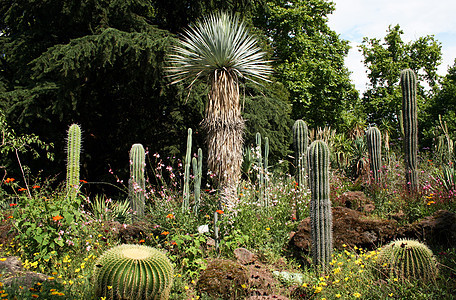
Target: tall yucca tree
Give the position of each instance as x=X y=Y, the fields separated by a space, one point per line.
x=220 y=49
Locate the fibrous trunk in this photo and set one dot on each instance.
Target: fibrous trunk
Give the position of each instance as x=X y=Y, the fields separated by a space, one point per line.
x=224 y=126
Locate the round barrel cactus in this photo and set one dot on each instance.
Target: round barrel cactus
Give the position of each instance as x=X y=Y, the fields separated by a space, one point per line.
x=408 y=260
x=133 y=272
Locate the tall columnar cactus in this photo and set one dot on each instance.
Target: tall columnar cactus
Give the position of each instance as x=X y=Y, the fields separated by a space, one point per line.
x=132 y=272
x=198 y=173
x=374 y=146
x=300 y=143
x=410 y=121
x=73 y=158
x=188 y=160
x=408 y=259
x=137 y=182
x=265 y=166
x=320 y=204
x=260 y=168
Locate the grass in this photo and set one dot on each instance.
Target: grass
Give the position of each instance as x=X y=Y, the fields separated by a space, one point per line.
x=70 y=252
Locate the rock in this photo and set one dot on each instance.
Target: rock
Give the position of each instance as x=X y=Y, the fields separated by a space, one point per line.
x=244 y=256
x=10 y=266
x=224 y=278
x=270 y=297
x=350 y=227
x=367 y=208
x=13 y=273
x=353 y=200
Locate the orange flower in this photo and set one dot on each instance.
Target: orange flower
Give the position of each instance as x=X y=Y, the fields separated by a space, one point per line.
x=83 y=181
x=173 y=243
x=8 y=180
x=21 y=189
x=13 y=204
x=165 y=233
x=170 y=216
x=10 y=217
x=35 y=187
x=56 y=218
x=219 y=211
x=141 y=241
x=35 y=296
x=431 y=202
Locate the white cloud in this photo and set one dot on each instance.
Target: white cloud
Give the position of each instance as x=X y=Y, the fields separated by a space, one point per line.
x=355 y=19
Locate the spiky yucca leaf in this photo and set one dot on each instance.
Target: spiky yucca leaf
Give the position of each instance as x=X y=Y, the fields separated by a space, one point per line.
x=133 y=272
x=218 y=42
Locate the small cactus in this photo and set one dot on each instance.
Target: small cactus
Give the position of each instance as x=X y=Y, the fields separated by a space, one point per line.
x=132 y=272
x=410 y=123
x=137 y=182
x=320 y=204
x=374 y=146
x=408 y=260
x=73 y=158
x=300 y=144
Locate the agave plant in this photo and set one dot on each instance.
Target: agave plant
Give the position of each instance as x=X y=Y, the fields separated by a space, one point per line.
x=220 y=48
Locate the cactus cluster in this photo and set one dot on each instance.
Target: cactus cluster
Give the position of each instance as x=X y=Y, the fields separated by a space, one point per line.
x=300 y=144
x=137 y=182
x=408 y=259
x=320 y=204
x=73 y=158
x=374 y=147
x=132 y=272
x=262 y=166
x=410 y=123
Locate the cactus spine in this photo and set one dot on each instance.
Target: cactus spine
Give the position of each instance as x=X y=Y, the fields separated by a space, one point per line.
x=188 y=159
x=198 y=171
x=73 y=158
x=137 y=182
x=374 y=146
x=408 y=259
x=410 y=121
x=320 y=204
x=300 y=144
x=132 y=272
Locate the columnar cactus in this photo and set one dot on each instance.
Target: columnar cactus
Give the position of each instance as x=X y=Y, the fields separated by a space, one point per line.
x=132 y=272
x=260 y=168
x=300 y=143
x=408 y=260
x=198 y=172
x=188 y=159
x=320 y=204
x=73 y=158
x=137 y=182
x=265 y=166
x=374 y=146
x=410 y=121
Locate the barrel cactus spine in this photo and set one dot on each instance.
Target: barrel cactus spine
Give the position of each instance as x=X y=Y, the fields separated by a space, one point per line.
x=73 y=160
x=407 y=259
x=374 y=146
x=137 y=182
x=410 y=121
x=320 y=204
x=188 y=160
x=300 y=144
x=198 y=173
x=132 y=272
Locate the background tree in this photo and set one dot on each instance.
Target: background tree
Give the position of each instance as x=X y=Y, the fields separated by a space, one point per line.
x=384 y=61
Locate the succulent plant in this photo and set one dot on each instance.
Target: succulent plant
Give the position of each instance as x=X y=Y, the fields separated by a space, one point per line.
x=137 y=182
x=260 y=168
x=198 y=173
x=300 y=144
x=320 y=204
x=188 y=160
x=410 y=123
x=133 y=272
x=408 y=259
x=374 y=146
x=73 y=158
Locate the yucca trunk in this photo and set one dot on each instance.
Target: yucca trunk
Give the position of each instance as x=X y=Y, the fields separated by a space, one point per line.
x=225 y=127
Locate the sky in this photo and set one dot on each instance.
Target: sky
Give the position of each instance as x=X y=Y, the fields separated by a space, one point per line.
x=355 y=19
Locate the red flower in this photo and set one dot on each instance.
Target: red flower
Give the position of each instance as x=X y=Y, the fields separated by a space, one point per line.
x=56 y=218
x=83 y=181
x=35 y=187
x=13 y=204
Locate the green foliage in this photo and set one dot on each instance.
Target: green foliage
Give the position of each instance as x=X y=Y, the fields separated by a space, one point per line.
x=385 y=59
x=300 y=143
x=320 y=204
x=410 y=119
x=137 y=181
x=374 y=146
x=106 y=210
x=133 y=272
x=73 y=160
x=408 y=260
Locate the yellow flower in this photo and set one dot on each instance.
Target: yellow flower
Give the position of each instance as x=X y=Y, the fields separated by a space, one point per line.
x=338 y=296
x=318 y=289
x=243 y=286
x=304 y=285
x=267 y=228
x=186 y=287
x=3 y=259
x=357 y=295
x=109 y=287
x=391 y=295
